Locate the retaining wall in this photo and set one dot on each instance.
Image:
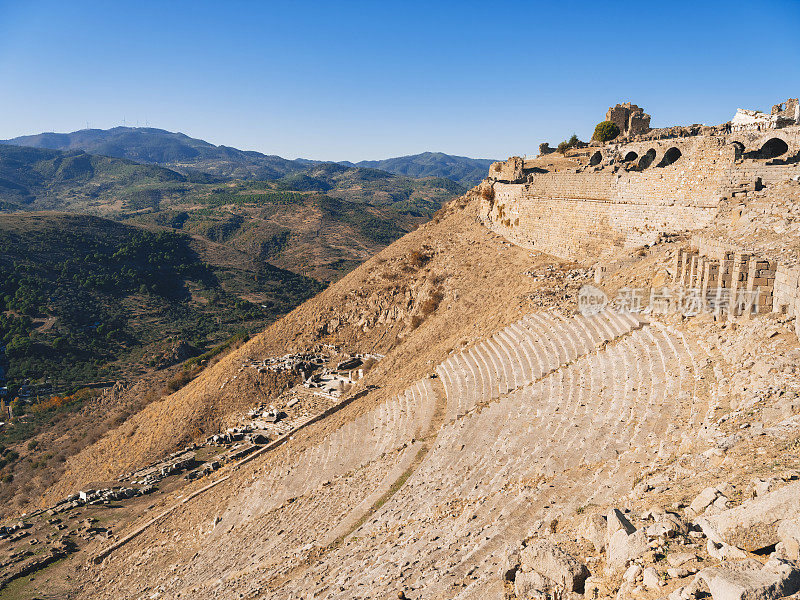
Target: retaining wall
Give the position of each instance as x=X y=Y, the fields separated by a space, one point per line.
x=619 y=203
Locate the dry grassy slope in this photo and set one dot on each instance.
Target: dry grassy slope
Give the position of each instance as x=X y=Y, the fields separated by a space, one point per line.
x=220 y=544
x=372 y=309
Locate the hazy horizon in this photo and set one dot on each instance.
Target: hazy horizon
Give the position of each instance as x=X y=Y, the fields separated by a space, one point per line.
x=359 y=81
x=128 y=126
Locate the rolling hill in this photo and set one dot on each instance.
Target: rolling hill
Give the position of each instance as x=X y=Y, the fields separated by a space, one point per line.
x=187 y=155
x=320 y=222
x=83 y=298
x=466 y=171
x=42 y=178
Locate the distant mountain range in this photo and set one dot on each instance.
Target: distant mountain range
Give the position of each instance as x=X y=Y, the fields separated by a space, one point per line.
x=191 y=156
x=320 y=221
x=41 y=178
x=466 y=171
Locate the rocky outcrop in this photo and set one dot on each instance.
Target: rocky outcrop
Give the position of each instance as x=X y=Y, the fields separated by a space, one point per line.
x=754 y=524
x=624 y=542
x=789 y=535
x=554 y=564
x=542 y=569
x=749 y=580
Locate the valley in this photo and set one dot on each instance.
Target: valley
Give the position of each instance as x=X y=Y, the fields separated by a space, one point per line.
x=115 y=271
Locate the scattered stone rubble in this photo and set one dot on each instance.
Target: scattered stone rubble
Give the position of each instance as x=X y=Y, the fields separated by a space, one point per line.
x=314 y=369
x=705 y=550
x=176 y=462
x=304 y=363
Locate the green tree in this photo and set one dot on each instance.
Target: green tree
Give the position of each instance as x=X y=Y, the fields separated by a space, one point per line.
x=605 y=131
x=572 y=142
x=20 y=345
x=17 y=407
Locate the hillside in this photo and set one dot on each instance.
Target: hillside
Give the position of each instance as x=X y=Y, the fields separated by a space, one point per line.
x=84 y=297
x=507 y=424
x=320 y=221
x=190 y=155
x=446 y=475
x=85 y=300
x=466 y=171
x=39 y=178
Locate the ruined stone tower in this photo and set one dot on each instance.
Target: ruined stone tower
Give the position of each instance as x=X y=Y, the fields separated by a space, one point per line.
x=788 y=111
x=631 y=119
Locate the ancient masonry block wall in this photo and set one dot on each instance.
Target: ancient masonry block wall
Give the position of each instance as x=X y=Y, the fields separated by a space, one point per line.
x=580 y=215
x=728 y=278
x=574 y=228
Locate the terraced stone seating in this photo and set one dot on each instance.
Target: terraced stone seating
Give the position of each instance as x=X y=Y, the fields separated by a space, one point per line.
x=523 y=352
x=549 y=414
x=305 y=496
x=579 y=434
x=389 y=426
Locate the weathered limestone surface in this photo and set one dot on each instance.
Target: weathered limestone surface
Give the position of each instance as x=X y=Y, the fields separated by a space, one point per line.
x=556 y=565
x=749 y=580
x=789 y=534
x=754 y=524
x=624 y=547
x=629 y=194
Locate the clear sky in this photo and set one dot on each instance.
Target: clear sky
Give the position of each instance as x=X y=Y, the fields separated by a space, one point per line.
x=346 y=80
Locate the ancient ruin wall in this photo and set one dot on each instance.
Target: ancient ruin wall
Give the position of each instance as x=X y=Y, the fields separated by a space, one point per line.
x=575 y=229
x=619 y=201
x=737 y=270
x=579 y=215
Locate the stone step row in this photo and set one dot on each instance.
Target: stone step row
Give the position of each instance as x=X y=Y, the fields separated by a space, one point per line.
x=389 y=426
x=524 y=351
x=595 y=416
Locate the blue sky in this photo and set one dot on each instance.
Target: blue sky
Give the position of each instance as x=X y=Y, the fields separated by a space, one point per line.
x=357 y=80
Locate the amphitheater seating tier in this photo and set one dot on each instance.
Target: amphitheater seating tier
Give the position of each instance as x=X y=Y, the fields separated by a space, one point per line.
x=589 y=427
x=548 y=414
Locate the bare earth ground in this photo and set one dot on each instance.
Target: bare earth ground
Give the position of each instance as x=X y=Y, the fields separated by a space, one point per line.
x=413 y=487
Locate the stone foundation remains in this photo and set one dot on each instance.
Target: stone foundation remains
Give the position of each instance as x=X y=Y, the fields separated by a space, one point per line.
x=737 y=283
x=627 y=195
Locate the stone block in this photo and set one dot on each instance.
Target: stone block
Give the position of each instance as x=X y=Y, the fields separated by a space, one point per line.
x=754 y=524
x=624 y=547
x=749 y=580
x=558 y=566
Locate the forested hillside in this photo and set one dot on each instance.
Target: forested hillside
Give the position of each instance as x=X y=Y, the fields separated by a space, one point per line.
x=84 y=299
x=192 y=156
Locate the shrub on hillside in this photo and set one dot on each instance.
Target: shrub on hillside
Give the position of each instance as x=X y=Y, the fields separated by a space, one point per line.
x=568 y=144
x=417 y=259
x=605 y=131
x=432 y=303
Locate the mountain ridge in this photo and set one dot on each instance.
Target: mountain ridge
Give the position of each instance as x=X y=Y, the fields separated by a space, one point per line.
x=183 y=153
x=463 y=169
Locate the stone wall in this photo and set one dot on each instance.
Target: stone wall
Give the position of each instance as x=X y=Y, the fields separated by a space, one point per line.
x=577 y=228
x=789 y=109
x=710 y=264
x=627 y=195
